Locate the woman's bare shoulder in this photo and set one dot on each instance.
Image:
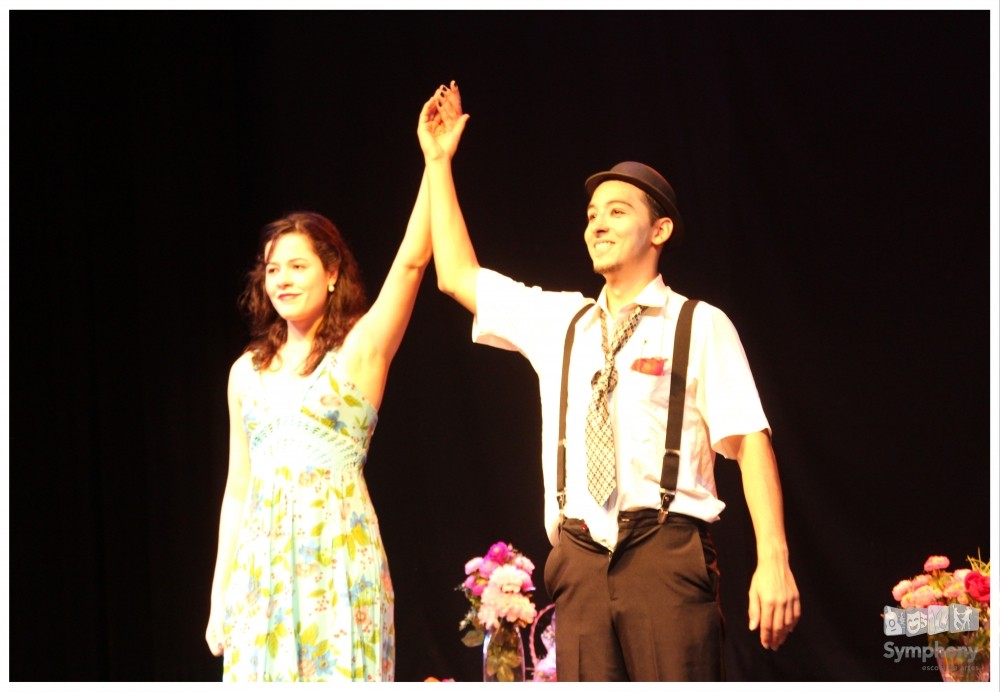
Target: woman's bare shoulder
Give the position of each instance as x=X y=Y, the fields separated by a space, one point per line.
x=241 y=371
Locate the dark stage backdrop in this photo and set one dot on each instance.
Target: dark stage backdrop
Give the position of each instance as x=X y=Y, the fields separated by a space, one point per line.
x=832 y=168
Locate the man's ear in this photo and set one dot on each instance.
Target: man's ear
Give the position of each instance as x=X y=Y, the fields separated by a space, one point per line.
x=663 y=228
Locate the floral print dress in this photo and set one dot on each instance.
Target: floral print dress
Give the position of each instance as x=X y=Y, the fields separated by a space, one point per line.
x=309 y=595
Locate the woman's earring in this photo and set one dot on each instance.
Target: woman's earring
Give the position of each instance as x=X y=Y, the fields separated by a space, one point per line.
x=331 y=287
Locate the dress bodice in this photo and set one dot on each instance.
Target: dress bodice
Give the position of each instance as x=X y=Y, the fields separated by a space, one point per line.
x=325 y=421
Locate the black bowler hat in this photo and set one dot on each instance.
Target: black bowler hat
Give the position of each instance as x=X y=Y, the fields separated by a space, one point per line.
x=647 y=180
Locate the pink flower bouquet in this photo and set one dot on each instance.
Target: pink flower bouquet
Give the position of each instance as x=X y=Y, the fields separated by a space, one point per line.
x=967 y=588
x=498 y=586
x=938 y=586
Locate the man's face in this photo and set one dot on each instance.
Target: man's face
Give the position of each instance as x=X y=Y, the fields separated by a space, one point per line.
x=619 y=234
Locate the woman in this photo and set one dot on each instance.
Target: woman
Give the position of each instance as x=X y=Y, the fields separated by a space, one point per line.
x=301 y=588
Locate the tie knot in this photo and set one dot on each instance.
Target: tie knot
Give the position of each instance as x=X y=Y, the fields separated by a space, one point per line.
x=622 y=333
x=605 y=380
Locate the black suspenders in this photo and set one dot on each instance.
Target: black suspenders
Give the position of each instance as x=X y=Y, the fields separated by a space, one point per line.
x=561 y=463
x=675 y=412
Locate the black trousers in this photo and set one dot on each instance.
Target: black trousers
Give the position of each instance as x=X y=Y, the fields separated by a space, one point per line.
x=649 y=611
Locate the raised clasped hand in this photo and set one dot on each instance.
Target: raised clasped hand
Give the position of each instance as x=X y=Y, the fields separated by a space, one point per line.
x=441 y=123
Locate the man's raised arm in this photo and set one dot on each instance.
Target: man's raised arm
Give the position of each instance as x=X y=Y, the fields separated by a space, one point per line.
x=439 y=130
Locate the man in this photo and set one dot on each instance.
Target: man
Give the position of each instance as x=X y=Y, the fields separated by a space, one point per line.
x=632 y=573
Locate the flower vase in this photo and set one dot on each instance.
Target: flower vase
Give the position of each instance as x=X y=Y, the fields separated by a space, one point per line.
x=956 y=666
x=503 y=654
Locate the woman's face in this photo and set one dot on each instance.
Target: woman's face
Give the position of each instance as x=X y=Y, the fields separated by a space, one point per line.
x=295 y=280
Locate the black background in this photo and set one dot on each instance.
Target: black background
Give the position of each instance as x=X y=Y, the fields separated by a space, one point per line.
x=833 y=172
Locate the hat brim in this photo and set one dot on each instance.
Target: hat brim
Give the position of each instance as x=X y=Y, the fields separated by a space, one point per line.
x=668 y=205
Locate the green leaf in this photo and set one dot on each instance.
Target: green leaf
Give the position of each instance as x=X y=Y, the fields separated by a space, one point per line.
x=510 y=658
x=473 y=638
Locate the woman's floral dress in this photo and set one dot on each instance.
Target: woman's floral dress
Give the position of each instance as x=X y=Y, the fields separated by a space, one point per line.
x=309 y=596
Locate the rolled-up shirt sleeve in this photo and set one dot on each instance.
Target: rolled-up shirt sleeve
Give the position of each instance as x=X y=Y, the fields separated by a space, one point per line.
x=728 y=395
x=516 y=317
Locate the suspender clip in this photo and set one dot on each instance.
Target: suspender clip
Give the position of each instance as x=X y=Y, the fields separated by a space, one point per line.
x=666 y=497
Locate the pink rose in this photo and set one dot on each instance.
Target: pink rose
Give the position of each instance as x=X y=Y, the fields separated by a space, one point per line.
x=486 y=568
x=955 y=590
x=977 y=585
x=901 y=589
x=498 y=553
x=474 y=585
x=936 y=562
x=524 y=563
x=473 y=564
x=925 y=596
x=919 y=580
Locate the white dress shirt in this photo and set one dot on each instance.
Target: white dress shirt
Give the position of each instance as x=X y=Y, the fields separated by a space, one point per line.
x=721 y=398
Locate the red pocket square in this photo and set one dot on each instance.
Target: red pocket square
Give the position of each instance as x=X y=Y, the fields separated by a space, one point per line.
x=649 y=366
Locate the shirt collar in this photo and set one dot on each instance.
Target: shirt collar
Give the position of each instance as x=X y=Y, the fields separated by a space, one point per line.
x=654 y=295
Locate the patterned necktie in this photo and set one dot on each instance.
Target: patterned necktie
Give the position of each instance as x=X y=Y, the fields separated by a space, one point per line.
x=600 y=438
